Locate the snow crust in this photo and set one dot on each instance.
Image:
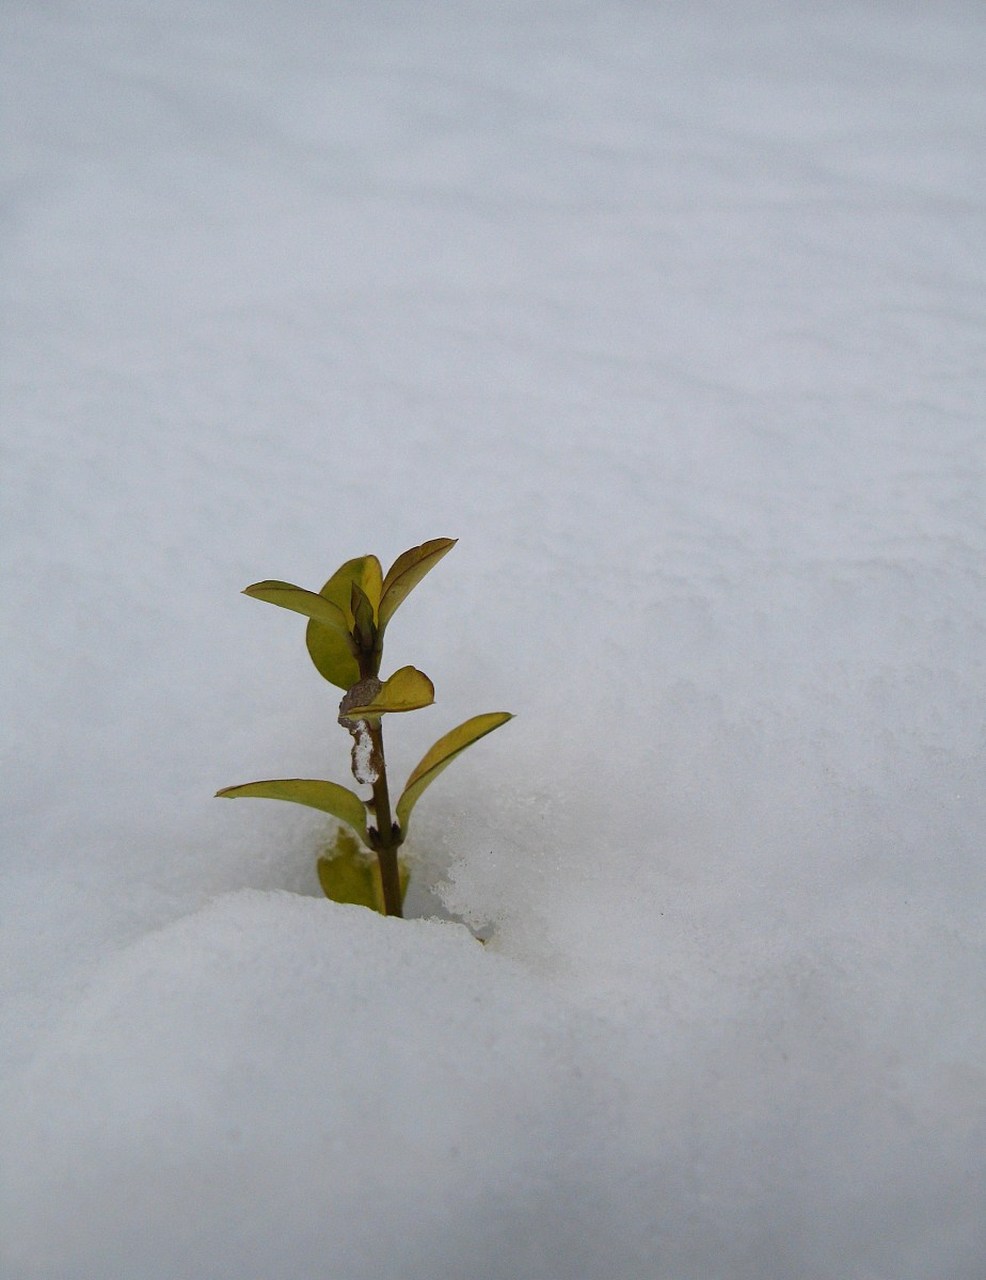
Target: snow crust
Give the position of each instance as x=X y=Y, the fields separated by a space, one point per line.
x=673 y=315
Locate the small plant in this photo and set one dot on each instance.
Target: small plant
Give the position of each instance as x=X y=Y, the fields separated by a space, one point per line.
x=346 y=624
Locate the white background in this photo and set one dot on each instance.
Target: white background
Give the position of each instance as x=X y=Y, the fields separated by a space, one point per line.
x=674 y=314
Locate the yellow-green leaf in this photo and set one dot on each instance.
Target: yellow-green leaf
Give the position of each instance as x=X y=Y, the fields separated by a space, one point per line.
x=324 y=612
x=406 y=690
x=407 y=571
x=329 y=797
x=348 y=874
x=442 y=754
x=365 y=572
x=331 y=652
x=332 y=655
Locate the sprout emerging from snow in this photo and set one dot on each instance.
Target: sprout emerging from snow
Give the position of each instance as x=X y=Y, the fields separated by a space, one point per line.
x=346 y=624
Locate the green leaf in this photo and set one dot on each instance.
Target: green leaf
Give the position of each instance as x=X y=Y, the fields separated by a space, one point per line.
x=442 y=754
x=324 y=612
x=329 y=797
x=406 y=690
x=332 y=656
x=347 y=874
x=407 y=571
x=330 y=652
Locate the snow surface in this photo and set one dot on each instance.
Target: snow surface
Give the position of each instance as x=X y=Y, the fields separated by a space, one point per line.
x=674 y=314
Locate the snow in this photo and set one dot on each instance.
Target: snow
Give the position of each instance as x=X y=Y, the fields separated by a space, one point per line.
x=364 y=769
x=673 y=315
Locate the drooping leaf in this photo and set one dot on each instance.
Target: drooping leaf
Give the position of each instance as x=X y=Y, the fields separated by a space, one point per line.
x=329 y=797
x=349 y=874
x=406 y=690
x=442 y=754
x=407 y=571
x=330 y=652
x=316 y=607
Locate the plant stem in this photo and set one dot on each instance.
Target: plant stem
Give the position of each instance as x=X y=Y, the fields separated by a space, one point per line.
x=387 y=844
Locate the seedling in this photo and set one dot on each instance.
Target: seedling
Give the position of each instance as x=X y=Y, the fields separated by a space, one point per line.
x=346 y=624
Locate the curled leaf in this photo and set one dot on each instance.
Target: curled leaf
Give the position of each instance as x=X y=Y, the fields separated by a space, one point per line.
x=329 y=797
x=363 y=572
x=406 y=572
x=364 y=626
x=439 y=756
x=406 y=690
x=332 y=653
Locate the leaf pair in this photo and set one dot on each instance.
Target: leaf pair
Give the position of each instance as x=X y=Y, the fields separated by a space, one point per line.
x=348 y=617
x=329 y=797
x=348 y=874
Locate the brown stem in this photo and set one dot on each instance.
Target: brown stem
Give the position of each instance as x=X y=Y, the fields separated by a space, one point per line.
x=388 y=836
